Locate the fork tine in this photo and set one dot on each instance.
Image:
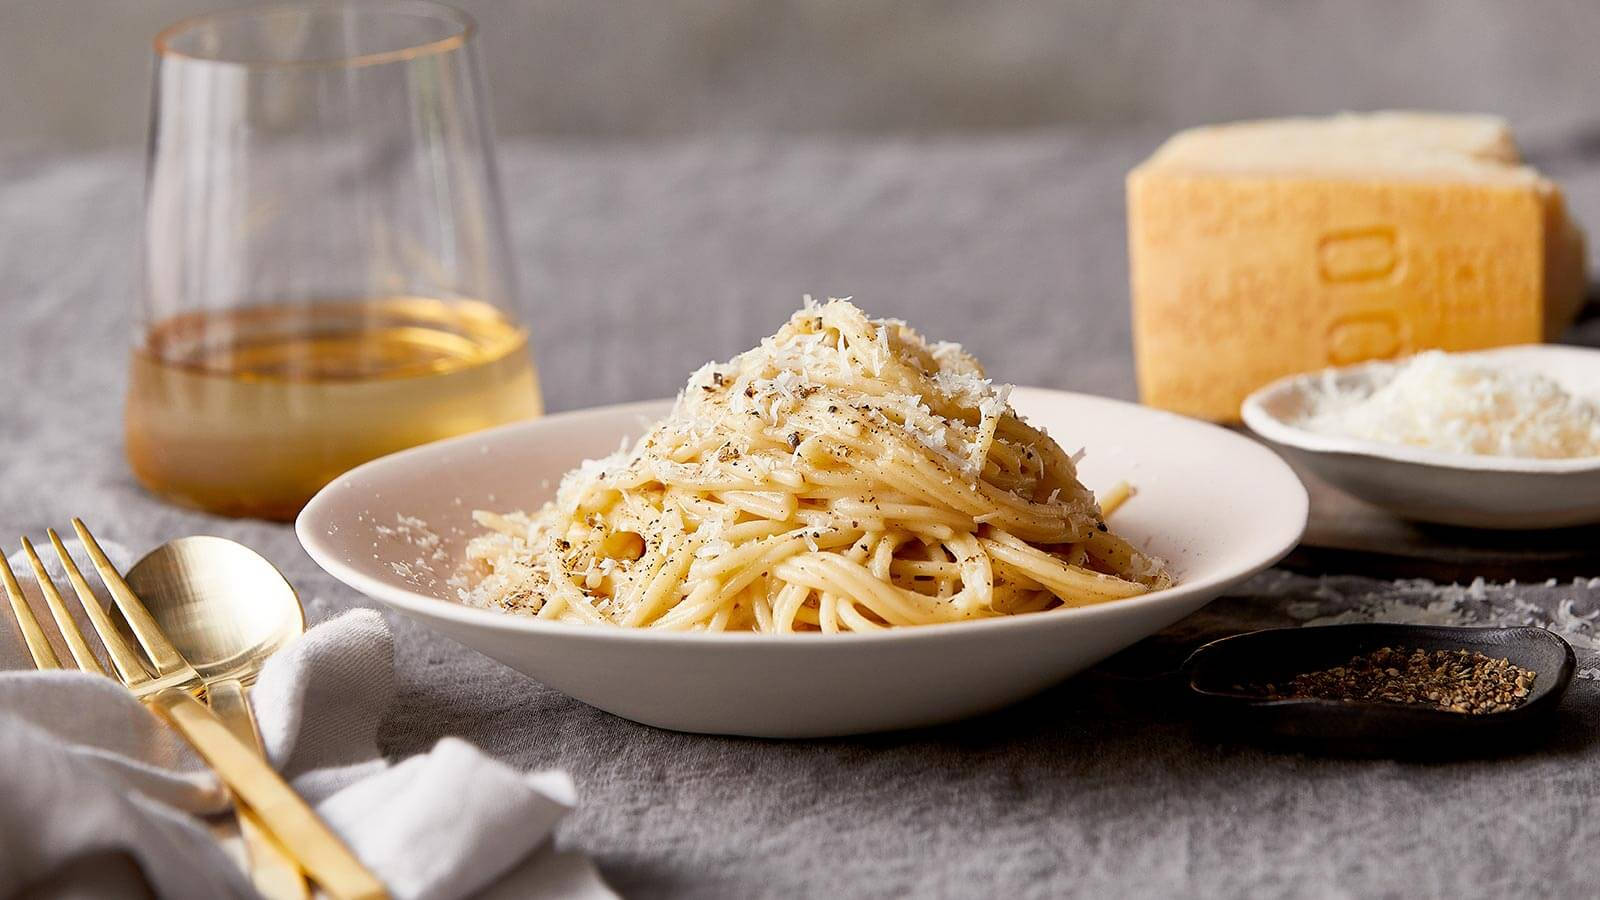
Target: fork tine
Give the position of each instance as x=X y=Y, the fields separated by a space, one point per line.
x=44 y=656
x=69 y=628
x=58 y=610
x=129 y=669
x=163 y=655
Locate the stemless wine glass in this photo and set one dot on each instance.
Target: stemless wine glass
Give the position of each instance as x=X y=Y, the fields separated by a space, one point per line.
x=327 y=273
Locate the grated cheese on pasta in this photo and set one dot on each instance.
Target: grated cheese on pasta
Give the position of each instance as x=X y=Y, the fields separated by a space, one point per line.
x=844 y=475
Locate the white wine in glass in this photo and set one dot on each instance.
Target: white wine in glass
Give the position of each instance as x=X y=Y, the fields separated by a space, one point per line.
x=327 y=271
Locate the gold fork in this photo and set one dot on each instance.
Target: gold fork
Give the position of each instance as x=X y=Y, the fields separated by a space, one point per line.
x=169 y=687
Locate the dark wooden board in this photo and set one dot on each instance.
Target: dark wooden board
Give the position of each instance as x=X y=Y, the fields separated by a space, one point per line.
x=1348 y=537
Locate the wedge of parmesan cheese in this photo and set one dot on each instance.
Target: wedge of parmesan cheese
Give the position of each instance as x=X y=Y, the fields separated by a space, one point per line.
x=1264 y=249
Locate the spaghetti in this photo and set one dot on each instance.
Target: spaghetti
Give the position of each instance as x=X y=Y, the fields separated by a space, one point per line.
x=845 y=475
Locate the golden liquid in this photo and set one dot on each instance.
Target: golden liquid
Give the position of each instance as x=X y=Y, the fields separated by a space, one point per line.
x=250 y=412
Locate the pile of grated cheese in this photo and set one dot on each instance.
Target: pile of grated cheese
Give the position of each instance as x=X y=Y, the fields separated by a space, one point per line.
x=1444 y=402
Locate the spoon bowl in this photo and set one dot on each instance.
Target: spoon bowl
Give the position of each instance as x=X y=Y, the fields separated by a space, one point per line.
x=227 y=610
x=224 y=606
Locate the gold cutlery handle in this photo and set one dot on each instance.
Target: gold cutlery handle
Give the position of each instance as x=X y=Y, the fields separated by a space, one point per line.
x=273 y=871
x=318 y=850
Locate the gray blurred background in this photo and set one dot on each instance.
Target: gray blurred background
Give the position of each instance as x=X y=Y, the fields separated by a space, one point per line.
x=75 y=73
x=679 y=172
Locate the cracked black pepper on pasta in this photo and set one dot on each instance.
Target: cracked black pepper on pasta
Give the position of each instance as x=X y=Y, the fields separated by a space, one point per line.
x=845 y=475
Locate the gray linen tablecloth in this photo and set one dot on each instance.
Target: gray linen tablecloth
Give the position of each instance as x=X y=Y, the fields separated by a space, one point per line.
x=642 y=261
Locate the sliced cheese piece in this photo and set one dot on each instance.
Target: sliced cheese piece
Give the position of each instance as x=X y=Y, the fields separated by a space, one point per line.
x=1263 y=249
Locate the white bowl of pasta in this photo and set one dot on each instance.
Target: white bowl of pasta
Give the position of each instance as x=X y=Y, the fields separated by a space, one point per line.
x=1216 y=506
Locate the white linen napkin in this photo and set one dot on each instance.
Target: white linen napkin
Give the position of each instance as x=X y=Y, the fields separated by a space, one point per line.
x=91 y=783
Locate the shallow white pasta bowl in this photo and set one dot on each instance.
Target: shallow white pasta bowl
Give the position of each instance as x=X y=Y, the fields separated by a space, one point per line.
x=1218 y=506
x=1432 y=485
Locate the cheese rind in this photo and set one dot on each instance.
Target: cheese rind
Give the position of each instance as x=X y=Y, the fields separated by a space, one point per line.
x=1255 y=255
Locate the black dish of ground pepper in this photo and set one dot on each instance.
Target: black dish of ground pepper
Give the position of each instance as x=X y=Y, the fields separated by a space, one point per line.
x=1459 y=681
x=1329 y=688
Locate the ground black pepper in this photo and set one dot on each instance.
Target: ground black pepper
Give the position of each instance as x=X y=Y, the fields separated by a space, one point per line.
x=1453 y=680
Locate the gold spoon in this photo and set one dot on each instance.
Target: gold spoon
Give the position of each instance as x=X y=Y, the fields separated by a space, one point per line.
x=227 y=609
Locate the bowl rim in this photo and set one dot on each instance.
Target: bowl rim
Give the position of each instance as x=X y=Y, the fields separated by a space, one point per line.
x=307 y=529
x=1257 y=415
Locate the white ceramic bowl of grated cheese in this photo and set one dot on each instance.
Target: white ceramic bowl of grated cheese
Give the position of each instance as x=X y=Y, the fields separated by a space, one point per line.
x=1506 y=438
x=1216 y=505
